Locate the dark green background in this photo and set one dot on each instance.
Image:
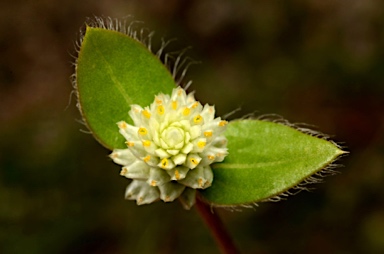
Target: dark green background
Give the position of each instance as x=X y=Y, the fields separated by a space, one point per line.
x=318 y=62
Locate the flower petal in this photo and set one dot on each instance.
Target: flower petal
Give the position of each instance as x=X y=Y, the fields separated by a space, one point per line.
x=122 y=156
x=195 y=131
x=192 y=160
x=128 y=131
x=157 y=177
x=170 y=191
x=208 y=113
x=178 y=173
x=135 y=114
x=137 y=170
x=199 y=178
x=188 y=198
x=179 y=159
x=142 y=192
x=187 y=149
x=199 y=145
x=162 y=153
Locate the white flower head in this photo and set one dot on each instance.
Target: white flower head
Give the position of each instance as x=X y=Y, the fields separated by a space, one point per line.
x=170 y=148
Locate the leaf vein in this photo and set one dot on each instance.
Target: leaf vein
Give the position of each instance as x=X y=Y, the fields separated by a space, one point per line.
x=114 y=79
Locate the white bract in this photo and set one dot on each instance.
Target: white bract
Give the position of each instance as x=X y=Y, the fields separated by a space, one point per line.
x=170 y=148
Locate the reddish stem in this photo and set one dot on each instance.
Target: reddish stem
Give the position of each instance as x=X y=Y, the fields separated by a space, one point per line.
x=216 y=226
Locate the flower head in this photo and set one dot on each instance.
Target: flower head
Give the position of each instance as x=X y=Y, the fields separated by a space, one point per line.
x=170 y=148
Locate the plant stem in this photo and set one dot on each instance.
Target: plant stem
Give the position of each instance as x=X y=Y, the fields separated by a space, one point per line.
x=216 y=226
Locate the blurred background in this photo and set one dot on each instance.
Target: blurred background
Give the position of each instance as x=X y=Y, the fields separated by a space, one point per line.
x=319 y=62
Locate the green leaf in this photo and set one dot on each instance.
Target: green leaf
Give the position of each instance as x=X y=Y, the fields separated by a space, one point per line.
x=266 y=159
x=114 y=71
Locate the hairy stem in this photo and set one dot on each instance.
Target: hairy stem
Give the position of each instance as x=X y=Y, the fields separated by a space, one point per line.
x=216 y=226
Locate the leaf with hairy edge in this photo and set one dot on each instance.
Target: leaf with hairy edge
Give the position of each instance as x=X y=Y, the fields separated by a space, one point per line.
x=113 y=72
x=266 y=159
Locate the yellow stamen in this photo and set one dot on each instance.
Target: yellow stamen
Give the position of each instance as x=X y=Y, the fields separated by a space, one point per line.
x=147 y=158
x=146 y=114
x=208 y=133
x=158 y=101
x=146 y=143
x=164 y=163
x=186 y=111
x=142 y=131
x=201 y=144
x=198 y=119
x=123 y=171
x=174 y=105
x=223 y=123
x=122 y=125
x=194 y=105
x=179 y=92
x=129 y=143
x=160 y=110
x=177 y=175
x=153 y=183
x=114 y=155
x=194 y=161
x=200 y=182
x=211 y=157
